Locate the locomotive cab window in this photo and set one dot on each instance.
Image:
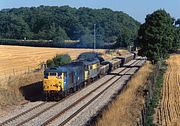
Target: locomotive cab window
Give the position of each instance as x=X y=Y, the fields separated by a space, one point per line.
x=60 y=75
x=45 y=75
x=52 y=74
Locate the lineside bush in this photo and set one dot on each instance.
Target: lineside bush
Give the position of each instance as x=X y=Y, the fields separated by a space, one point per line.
x=59 y=60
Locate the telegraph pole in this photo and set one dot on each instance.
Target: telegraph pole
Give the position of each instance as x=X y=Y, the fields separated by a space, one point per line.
x=94 y=37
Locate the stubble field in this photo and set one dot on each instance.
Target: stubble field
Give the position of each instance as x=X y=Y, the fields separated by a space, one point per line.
x=19 y=59
x=168 y=113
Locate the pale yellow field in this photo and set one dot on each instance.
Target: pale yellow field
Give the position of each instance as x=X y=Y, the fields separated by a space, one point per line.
x=168 y=113
x=17 y=59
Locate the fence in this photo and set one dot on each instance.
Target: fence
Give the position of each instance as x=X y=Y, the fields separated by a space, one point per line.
x=147 y=110
x=5 y=77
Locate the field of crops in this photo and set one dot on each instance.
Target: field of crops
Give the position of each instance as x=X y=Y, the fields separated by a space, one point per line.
x=168 y=113
x=17 y=59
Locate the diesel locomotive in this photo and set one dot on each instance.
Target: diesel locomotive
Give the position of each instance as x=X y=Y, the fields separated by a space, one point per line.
x=60 y=80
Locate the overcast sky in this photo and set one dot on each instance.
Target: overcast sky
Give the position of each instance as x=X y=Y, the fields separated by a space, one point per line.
x=138 y=9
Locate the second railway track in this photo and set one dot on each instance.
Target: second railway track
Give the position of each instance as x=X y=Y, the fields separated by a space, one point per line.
x=46 y=113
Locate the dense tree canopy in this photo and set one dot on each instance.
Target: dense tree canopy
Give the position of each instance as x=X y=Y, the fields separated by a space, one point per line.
x=157 y=36
x=60 y=23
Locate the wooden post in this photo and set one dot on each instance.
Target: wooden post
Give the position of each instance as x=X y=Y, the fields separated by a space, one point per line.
x=13 y=72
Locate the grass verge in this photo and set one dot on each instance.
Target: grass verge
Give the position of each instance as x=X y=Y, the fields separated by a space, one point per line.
x=156 y=96
x=126 y=108
x=12 y=94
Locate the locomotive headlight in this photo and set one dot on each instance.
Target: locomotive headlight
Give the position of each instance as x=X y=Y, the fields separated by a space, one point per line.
x=56 y=85
x=46 y=87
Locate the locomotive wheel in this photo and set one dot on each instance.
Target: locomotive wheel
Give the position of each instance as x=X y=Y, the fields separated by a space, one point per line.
x=77 y=88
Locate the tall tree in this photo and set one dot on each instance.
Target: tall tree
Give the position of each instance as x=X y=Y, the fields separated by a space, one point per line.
x=156 y=35
x=176 y=44
x=12 y=26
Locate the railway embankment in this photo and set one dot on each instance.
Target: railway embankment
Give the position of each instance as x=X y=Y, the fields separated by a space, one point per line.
x=78 y=108
x=20 y=88
x=126 y=109
x=19 y=83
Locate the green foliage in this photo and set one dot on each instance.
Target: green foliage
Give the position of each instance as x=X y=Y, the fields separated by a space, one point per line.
x=176 y=43
x=59 y=60
x=50 y=63
x=154 y=101
x=60 y=23
x=156 y=35
x=12 y=26
x=177 y=22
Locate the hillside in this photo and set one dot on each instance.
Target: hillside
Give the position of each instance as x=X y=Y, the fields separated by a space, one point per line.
x=66 y=23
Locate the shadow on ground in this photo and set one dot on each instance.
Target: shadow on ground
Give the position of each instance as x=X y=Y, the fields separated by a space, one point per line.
x=33 y=92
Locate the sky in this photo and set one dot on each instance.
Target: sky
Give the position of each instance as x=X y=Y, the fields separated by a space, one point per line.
x=138 y=9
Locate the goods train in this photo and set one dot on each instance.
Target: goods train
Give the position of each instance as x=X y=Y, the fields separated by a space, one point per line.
x=61 y=80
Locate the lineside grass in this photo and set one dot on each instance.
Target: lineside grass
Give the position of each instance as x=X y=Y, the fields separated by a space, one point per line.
x=126 y=109
x=12 y=94
x=153 y=103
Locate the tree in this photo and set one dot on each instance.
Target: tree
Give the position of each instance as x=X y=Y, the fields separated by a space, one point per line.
x=61 y=59
x=59 y=23
x=176 y=43
x=156 y=35
x=60 y=35
x=12 y=26
x=50 y=63
x=177 y=22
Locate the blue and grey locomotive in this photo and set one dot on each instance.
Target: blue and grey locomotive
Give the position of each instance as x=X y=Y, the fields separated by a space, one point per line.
x=62 y=79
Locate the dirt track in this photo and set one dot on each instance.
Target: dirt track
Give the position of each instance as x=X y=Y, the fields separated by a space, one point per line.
x=168 y=113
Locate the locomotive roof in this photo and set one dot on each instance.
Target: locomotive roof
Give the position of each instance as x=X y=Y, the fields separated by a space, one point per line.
x=72 y=66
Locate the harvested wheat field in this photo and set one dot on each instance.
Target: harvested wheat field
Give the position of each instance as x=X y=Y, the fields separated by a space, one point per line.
x=19 y=59
x=16 y=59
x=168 y=113
x=126 y=109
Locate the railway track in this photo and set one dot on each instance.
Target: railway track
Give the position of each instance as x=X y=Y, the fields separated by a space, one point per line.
x=62 y=117
x=59 y=117
x=28 y=116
